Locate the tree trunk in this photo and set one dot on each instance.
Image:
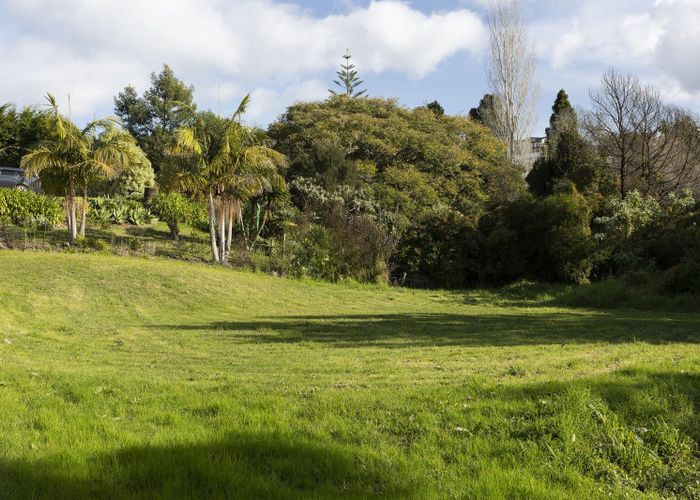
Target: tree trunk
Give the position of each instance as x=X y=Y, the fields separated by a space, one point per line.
x=623 y=167
x=70 y=214
x=69 y=219
x=222 y=233
x=84 y=211
x=212 y=228
x=261 y=226
x=229 y=236
x=72 y=219
x=174 y=229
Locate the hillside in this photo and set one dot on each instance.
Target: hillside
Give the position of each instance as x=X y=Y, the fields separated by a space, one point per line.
x=124 y=377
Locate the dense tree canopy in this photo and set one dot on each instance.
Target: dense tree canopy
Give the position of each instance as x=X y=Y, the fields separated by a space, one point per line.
x=153 y=117
x=410 y=160
x=481 y=112
x=19 y=132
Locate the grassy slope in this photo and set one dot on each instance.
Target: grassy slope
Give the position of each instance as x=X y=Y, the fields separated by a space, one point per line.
x=134 y=377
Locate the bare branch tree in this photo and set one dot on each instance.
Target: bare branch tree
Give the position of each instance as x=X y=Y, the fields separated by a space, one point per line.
x=612 y=121
x=650 y=146
x=672 y=154
x=510 y=70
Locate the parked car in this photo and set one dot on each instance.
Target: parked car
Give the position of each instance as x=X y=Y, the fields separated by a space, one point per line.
x=11 y=177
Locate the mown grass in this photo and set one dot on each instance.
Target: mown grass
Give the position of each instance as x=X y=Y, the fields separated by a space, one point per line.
x=148 y=378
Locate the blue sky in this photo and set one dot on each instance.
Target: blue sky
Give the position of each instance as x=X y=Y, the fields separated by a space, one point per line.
x=286 y=51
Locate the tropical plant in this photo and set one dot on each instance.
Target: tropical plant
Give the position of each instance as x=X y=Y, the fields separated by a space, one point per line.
x=119 y=210
x=259 y=211
x=229 y=163
x=77 y=157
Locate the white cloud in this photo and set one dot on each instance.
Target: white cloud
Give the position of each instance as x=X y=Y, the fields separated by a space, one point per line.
x=679 y=43
x=92 y=49
x=266 y=100
x=657 y=39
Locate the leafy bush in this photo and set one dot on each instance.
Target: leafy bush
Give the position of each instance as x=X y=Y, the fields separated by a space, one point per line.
x=548 y=238
x=312 y=250
x=626 y=216
x=440 y=249
x=572 y=159
x=108 y=210
x=175 y=209
x=25 y=208
x=93 y=243
x=134 y=180
x=684 y=278
x=344 y=246
x=641 y=232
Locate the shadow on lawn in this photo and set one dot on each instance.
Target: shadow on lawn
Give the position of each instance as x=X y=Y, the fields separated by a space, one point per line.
x=410 y=330
x=242 y=466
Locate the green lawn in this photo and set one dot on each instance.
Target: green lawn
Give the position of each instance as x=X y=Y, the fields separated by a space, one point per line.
x=125 y=377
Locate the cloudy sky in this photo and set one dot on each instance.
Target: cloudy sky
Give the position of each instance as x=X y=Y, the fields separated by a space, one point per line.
x=287 y=50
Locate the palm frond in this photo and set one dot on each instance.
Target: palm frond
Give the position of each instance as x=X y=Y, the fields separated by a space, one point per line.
x=103 y=123
x=242 y=108
x=94 y=167
x=186 y=142
x=264 y=159
x=42 y=158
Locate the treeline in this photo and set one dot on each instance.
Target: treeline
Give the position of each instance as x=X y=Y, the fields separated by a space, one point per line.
x=366 y=189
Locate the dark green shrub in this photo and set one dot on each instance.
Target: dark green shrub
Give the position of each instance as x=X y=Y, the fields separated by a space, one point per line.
x=175 y=209
x=683 y=278
x=548 y=239
x=346 y=246
x=572 y=160
x=28 y=209
x=439 y=249
x=642 y=233
x=312 y=250
x=93 y=243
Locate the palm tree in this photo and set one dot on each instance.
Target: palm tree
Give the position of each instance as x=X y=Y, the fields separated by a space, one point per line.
x=231 y=163
x=76 y=157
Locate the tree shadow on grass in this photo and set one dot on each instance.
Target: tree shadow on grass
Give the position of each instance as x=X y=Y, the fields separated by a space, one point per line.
x=415 y=330
x=241 y=466
x=154 y=233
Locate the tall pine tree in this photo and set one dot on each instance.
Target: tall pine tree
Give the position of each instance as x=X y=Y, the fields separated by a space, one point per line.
x=569 y=157
x=152 y=118
x=348 y=80
x=563 y=118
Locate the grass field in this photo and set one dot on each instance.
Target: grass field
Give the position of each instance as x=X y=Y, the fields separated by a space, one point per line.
x=149 y=378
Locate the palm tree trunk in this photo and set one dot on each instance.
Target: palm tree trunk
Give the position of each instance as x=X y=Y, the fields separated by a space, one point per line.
x=70 y=215
x=222 y=232
x=261 y=227
x=212 y=228
x=229 y=237
x=69 y=219
x=83 y=218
